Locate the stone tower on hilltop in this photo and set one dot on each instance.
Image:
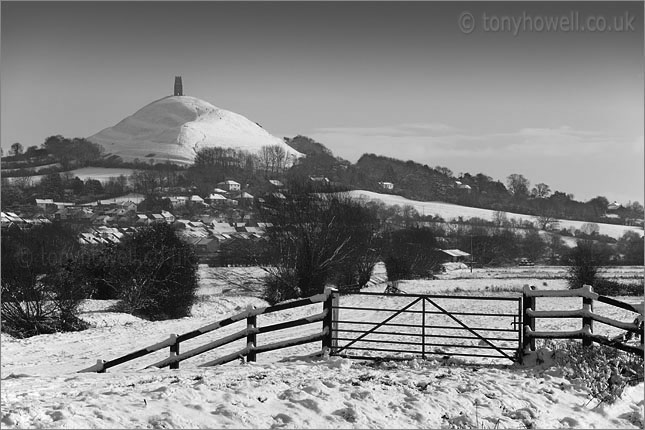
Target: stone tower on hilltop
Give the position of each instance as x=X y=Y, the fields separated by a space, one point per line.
x=179 y=90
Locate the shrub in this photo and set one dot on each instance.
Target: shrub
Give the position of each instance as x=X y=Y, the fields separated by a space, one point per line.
x=153 y=272
x=281 y=285
x=315 y=237
x=410 y=253
x=611 y=287
x=41 y=287
x=583 y=265
x=606 y=370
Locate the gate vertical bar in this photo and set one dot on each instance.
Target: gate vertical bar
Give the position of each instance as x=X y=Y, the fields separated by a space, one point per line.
x=520 y=329
x=423 y=329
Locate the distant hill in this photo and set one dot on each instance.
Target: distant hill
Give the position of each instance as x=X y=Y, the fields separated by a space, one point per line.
x=175 y=127
x=410 y=179
x=308 y=146
x=318 y=160
x=451 y=212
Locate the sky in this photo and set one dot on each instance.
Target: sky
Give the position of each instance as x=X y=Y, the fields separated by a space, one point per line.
x=562 y=106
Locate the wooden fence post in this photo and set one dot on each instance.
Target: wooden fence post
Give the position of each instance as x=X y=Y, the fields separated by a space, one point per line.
x=251 y=337
x=174 y=351
x=587 y=321
x=528 y=303
x=331 y=320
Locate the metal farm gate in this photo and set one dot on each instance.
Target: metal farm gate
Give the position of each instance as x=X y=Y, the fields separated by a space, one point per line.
x=405 y=325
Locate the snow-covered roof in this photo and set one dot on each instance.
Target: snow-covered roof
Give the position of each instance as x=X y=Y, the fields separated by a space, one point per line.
x=455 y=253
x=215 y=196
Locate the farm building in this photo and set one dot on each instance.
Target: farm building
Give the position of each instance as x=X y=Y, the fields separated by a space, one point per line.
x=453 y=255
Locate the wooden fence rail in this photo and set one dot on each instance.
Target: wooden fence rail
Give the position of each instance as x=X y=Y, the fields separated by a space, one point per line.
x=586 y=314
x=328 y=298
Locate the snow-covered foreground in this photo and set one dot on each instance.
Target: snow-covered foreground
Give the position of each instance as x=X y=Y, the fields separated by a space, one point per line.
x=323 y=393
x=285 y=388
x=450 y=212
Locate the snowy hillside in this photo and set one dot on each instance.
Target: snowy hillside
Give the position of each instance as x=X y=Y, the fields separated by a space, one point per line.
x=173 y=128
x=450 y=212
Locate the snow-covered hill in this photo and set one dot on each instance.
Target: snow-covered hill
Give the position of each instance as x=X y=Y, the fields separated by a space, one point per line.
x=450 y=212
x=175 y=127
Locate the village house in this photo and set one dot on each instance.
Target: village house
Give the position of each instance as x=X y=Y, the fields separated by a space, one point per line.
x=244 y=199
x=387 y=185
x=43 y=203
x=229 y=185
x=462 y=186
x=319 y=179
x=178 y=200
x=216 y=199
x=168 y=217
x=195 y=199
x=204 y=246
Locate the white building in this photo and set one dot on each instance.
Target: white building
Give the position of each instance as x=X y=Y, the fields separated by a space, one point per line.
x=229 y=185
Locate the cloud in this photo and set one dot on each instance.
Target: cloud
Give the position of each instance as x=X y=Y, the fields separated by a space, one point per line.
x=401 y=130
x=415 y=139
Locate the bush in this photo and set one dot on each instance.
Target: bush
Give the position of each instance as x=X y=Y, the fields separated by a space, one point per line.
x=315 y=238
x=41 y=286
x=281 y=285
x=611 y=287
x=410 y=254
x=606 y=370
x=153 y=272
x=583 y=265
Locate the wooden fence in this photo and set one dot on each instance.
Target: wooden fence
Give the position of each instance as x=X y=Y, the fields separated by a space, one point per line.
x=587 y=316
x=329 y=317
x=329 y=299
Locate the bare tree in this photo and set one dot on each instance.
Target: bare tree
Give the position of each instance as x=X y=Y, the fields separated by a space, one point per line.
x=547 y=221
x=145 y=182
x=315 y=236
x=500 y=219
x=273 y=159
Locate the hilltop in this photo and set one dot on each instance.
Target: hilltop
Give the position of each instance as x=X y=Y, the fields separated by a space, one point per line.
x=174 y=128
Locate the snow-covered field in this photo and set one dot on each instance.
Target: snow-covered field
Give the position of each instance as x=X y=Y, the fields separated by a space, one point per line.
x=289 y=388
x=102 y=174
x=450 y=212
